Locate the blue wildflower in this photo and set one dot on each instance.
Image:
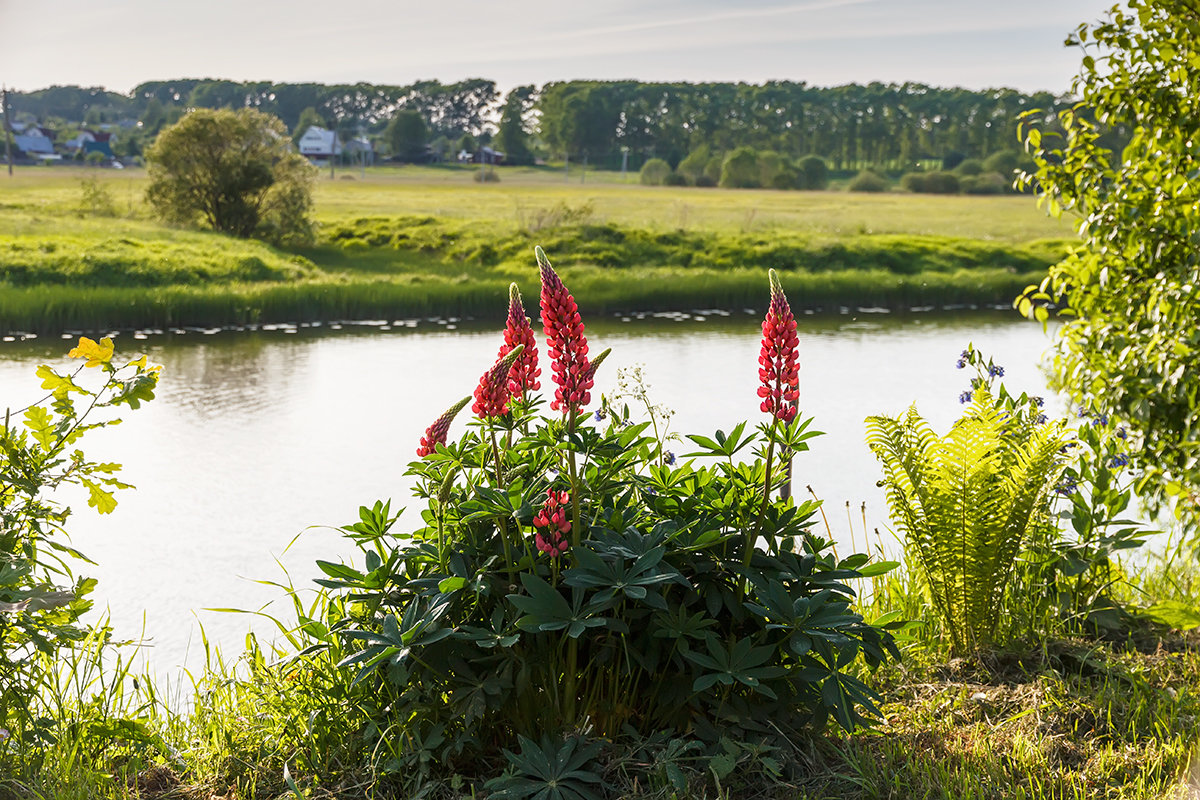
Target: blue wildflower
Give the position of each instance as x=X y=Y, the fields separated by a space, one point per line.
x=995 y=372
x=964 y=398
x=1119 y=460
x=1121 y=432
x=600 y=415
x=1041 y=419
x=1037 y=401
x=668 y=457
x=963 y=358
x=1066 y=487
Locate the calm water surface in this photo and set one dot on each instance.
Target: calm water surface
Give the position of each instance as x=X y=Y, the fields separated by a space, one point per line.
x=261 y=439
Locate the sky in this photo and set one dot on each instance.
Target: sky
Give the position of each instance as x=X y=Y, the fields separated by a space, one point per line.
x=118 y=44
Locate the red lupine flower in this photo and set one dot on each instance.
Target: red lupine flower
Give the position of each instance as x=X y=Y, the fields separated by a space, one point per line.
x=435 y=434
x=565 y=342
x=778 y=358
x=523 y=376
x=492 y=394
x=553 y=522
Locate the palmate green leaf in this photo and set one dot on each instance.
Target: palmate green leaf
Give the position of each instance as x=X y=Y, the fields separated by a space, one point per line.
x=545 y=609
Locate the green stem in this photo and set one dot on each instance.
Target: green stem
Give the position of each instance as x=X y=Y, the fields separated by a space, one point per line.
x=573 y=644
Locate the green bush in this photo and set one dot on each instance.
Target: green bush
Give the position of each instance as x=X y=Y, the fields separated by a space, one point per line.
x=1004 y=162
x=41 y=600
x=740 y=169
x=814 y=173
x=971 y=166
x=987 y=183
x=572 y=573
x=786 y=179
x=964 y=502
x=675 y=179
x=868 y=181
x=654 y=172
x=914 y=181
x=693 y=166
x=941 y=183
x=705 y=181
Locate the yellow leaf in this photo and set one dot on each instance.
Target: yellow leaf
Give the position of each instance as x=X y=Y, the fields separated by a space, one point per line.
x=58 y=384
x=99 y=499
x=95 y=353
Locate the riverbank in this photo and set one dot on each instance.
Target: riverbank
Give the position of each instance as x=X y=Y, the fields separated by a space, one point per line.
x=64 y=266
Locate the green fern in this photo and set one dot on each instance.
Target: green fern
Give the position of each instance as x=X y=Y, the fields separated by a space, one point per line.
x=964 y=502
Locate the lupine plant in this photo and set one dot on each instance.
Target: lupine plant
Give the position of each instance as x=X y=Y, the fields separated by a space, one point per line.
x=568 y=579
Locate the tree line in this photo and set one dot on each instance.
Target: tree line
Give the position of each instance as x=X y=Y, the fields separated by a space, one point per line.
x=605 y=123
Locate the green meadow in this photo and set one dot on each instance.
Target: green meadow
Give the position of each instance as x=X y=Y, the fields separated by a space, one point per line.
x=405 y=241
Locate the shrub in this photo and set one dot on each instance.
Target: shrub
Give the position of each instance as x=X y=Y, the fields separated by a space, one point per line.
x=712 y=170
x=970 y=166
x=705 y=181
x=236 y=171
x=770 y=165
x=654 y=172
x=41 y=601
x=1004 y=162
x=868 y=181
x=489 y=175
x=914 y=181
x=787 y=179
x=674 y=179
x=95 y=200
x=692 y=167
x=941 y=183
x=740 y=169
x=987 y=183
x=814 y=173
x=572 y=573
x=965 y=501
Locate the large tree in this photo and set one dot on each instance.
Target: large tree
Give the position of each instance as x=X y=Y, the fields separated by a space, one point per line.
x=407 y=135
x=1131 y=345
x=234 y=170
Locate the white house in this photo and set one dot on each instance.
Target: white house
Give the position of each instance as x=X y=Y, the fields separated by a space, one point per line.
x=319 y=143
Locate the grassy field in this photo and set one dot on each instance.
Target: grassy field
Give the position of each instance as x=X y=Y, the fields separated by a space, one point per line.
x=431 y=240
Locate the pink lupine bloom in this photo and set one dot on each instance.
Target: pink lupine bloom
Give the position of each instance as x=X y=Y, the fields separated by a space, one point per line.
x=565 y=343
x=492 y=393
x=523 y=376
x=554 y=526
x=435 y=434
x=779 y=358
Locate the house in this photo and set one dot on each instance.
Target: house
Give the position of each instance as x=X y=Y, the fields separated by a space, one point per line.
x=318 y=144
x=34 y=144
x=484 y=155
x=103 y=148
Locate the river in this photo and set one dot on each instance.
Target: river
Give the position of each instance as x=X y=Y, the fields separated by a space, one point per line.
x=261 y=442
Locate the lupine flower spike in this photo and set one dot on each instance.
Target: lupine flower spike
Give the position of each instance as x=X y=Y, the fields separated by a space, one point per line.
x=778 y=359
x=523 y=376
x=565 y=343
x=435 y=434
x=492 y=393
x=551 y=520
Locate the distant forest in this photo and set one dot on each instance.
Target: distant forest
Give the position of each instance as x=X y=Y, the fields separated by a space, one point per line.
x=889 y=126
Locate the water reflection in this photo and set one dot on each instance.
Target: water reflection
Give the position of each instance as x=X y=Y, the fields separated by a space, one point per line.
x=256 y=436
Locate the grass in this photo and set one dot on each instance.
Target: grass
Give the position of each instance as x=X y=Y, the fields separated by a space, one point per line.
x=428 y=240
x=1070 y=717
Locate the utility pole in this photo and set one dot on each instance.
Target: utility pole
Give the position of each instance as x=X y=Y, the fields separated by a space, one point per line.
x=624 y=162
x=6 y=107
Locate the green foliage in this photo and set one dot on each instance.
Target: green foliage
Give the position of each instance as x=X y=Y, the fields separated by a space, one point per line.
x=688 y=598
x=236 y=171
x=512 y=136
x=1128 y=345
x=869 y=181
x=406 y=135
x=1004 y=163
x=654 y=172
x=985 y=183
x=814 y=173
x=964 y=502
x=931 y=182
x=95 y=200
x=693 y=167
x=740 y=169
x=41 y=600
x=968 y=167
